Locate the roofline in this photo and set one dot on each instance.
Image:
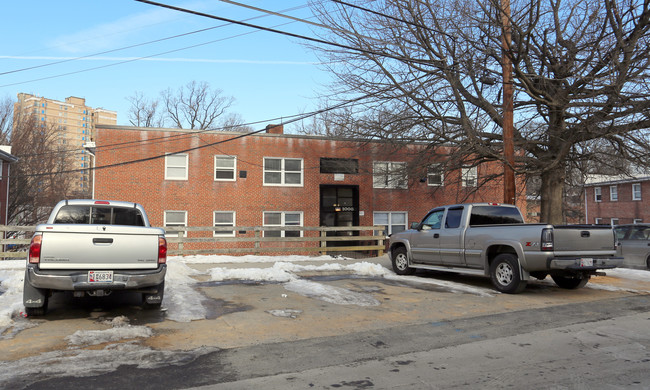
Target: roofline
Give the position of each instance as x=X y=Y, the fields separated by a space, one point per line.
x=260 y=133
x=617 y=181
x=8 y=157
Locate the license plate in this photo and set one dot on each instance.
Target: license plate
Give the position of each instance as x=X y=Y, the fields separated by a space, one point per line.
x=100 y=276
x=586 y=262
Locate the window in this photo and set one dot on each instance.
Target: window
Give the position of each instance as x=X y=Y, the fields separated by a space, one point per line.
x=74 y=214
x=339 y=165
x=494 y=215
x=176 y=167
x=636 y=191
x=225 y=168
x=598 y=196
x=395 y=221
x=469 y=176
x=435 y=175
x=282 y=218
x=433 y=220
x=598 y=221
x=637 y=220
x=176 y=218
x=452 y=221
x=614 y=221
x=224 y=218
x=613 y=193
x=283 y=171
x=389 y=175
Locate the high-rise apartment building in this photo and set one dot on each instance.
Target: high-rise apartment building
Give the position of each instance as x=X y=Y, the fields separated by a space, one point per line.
x=75 y=124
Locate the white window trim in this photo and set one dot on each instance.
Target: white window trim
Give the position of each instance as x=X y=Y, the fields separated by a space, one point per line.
x=597 y=221
x=613 y=221
x=389 y=228
x=437 y=167
x=598 y=194
x=283 y=172
x=634 y=197
x=469 y=173
x=176 y=223
x=393 y=166
x=613 y=193
x=637 y=220
x=186 y=166
x=234 y=168
x=234 y=223
x=283 y=221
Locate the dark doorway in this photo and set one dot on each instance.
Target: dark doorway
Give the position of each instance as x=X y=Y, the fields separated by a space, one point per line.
x=339 y=206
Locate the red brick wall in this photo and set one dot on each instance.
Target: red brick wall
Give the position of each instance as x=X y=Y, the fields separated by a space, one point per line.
x=624 y=209
x=200 y=195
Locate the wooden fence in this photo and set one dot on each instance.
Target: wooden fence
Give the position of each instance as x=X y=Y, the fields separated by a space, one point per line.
x=183 y=240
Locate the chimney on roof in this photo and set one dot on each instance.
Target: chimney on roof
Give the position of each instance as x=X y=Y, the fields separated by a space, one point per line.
x=275 y=129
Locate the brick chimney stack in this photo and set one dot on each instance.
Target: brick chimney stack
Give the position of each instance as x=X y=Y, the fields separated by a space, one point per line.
x=275 y=129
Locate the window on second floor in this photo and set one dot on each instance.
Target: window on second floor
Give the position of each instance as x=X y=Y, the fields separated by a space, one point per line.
x=598 y=196
x=283 y=171
x=435 y=175
x=225 y=168
x=339 y=165
x=613 y=193
x=636 y=191
x=387 y=174
x=176 y=167
x=469 y=176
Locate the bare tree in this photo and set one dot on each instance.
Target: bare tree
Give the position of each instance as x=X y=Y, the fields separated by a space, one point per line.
x=431 y=72
x=144 y=112
x=195 y=106
x=39 y=178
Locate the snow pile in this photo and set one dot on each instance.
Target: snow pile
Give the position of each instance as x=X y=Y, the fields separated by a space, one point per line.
x=121 y=330
x=182 y=301
x=331 y=294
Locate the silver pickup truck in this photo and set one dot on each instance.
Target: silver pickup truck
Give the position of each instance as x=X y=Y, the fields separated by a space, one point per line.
x=492 y=240
x=93 y=247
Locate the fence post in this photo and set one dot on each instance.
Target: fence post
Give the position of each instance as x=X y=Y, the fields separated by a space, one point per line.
x=180 y=241
x=323 y=242
x=381 y=242
x=257 y=240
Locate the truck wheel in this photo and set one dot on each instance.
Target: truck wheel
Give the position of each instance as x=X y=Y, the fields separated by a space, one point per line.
x=400 y=262
x=505 y=275
x=154 y=301
x=570 y=283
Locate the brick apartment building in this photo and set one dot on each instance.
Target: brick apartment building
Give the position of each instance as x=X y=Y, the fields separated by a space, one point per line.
x=614 y=200
x=275 y=179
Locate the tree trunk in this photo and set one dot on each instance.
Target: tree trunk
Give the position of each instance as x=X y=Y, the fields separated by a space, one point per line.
x=552 y=199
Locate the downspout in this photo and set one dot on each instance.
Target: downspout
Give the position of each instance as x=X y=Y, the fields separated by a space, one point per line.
x=586 y=211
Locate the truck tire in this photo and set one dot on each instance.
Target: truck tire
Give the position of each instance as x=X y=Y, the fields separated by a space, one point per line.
x=647 y=262
x=570 y=283
x=154 y=300
x=505 y=274
x=400 y=262
x=35 y=299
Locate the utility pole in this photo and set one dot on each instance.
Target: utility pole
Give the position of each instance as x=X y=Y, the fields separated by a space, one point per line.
x=508 y=107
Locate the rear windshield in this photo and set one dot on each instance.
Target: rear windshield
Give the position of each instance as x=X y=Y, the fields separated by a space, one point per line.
x=494 y=215
x=99 y=215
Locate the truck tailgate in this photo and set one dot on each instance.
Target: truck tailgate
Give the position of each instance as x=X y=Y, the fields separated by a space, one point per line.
x=99 y=247
x=583 y=238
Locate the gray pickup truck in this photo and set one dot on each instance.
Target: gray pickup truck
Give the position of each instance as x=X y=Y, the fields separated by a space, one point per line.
x=492 y=240
x=93 y=247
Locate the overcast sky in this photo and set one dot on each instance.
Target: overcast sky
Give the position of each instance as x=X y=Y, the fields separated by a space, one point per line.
x=270 y=75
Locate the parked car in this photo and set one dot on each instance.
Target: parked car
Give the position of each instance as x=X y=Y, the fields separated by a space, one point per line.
x=634 y=244
x=94 y=247
x=492 y=240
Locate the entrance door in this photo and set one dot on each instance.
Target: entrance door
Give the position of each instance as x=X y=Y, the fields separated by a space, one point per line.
x=339 y=206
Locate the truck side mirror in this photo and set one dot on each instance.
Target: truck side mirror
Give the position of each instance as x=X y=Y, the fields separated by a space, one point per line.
x=414 y=225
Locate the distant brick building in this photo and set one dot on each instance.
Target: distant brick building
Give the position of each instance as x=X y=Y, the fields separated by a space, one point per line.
x=275 y=179
x=615 y=200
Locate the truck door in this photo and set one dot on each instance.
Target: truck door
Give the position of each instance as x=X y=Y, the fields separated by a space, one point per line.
x=451 y=238
x=425 y=243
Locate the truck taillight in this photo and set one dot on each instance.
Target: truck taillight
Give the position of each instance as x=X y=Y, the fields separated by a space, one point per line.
x=547 y=239
x=162 y=250
x=35 y=249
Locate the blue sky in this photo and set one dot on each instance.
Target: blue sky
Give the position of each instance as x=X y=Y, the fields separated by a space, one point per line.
x=269 y=75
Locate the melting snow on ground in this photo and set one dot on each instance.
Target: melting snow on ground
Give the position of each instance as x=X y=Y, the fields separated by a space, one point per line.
x=92 y=352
